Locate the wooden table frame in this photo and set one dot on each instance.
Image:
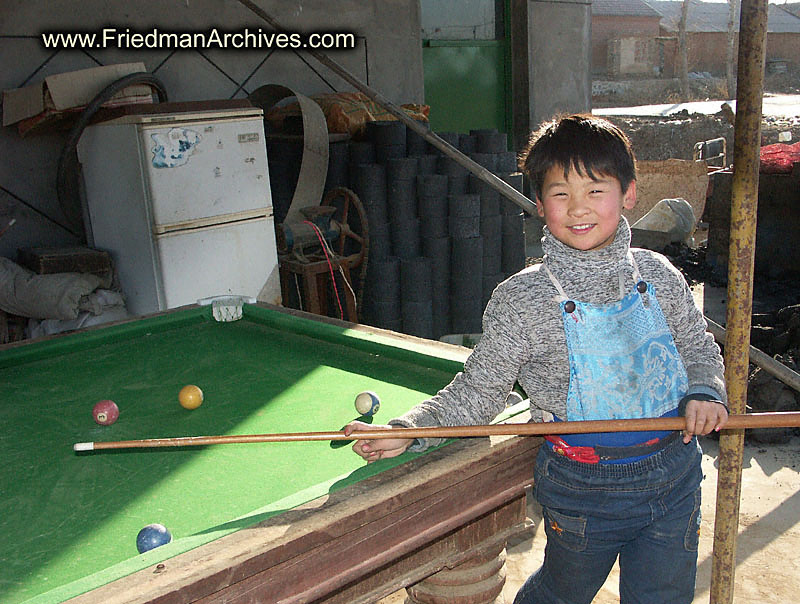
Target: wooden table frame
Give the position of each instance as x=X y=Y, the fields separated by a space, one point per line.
x=453 y=506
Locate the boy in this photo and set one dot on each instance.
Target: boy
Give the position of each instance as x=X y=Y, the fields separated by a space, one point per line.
x=596 y=331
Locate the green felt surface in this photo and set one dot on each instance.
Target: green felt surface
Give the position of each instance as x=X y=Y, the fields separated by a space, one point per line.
x=69 y=521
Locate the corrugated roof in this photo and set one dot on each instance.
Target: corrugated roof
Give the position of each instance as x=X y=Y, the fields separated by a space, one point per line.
x=706 y=17
x=792 y=7
x=623 y=8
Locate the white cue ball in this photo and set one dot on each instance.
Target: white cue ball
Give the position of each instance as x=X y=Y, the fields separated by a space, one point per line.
x=367 y=403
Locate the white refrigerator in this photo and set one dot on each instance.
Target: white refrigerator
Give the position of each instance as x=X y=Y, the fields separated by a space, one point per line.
x=182 y=202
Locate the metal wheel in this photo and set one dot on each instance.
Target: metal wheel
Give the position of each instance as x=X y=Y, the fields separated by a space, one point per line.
x=353 y=243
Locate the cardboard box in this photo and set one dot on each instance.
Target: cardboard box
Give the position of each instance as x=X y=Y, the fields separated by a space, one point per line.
x=668 y=179
x=49 y=103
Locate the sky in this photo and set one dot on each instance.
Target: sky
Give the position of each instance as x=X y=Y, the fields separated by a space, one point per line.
x=770 y=1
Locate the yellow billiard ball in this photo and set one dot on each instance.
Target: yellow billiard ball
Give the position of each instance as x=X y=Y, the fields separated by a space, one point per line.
x=190 y=397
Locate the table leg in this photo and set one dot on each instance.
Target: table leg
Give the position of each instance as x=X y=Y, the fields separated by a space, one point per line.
x=313 y=302
x=3 y=327
x=468 y=562
x=478 y=580
x=286 y=275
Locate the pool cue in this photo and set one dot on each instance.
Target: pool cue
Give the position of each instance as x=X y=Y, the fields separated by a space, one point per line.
x=784 y=419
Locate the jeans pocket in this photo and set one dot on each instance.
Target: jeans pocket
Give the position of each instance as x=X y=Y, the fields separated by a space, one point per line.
x=569 y=531
x=691 y=539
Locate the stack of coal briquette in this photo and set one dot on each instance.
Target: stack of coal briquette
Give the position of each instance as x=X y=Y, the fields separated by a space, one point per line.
x=440 y=239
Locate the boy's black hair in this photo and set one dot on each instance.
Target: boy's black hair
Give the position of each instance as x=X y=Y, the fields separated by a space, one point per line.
x=589 y=144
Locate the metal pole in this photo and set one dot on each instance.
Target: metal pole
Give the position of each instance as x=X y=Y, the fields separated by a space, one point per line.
x=485 y=175
x=741 y=256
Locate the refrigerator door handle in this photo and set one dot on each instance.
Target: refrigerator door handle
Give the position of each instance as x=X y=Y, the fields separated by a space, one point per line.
x=201 y=223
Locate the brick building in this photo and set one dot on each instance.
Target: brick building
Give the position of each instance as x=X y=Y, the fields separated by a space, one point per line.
x=624 y=34
x=638 y=38
x=706 y=32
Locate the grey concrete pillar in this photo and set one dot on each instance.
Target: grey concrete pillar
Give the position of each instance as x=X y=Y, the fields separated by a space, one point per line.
x=551 y=61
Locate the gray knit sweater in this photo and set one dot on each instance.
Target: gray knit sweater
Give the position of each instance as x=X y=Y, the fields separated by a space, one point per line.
x=523 y=335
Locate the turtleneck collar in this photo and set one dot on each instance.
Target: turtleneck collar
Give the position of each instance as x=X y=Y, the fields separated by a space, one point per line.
x=563 y=258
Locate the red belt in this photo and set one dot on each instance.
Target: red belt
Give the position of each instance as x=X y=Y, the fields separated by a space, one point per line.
x=596 y=454
x=582 y=454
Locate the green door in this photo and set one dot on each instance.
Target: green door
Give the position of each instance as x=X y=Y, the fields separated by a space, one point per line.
x=467 y=65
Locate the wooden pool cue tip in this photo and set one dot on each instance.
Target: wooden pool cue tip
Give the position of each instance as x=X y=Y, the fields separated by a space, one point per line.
x=786 y=419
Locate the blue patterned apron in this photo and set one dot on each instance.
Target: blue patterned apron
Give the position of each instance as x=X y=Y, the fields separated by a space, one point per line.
x=623 y=361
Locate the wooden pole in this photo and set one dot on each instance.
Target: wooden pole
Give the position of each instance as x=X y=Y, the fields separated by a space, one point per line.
x=749 y=420
x=741 y=256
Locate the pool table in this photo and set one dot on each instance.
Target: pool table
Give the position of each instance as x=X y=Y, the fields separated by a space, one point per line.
x=272 y=522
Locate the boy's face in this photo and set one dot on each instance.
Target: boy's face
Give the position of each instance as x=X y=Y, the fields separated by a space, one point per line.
x=582 y=212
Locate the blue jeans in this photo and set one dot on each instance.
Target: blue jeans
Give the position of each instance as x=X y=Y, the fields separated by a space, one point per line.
x=646 y=512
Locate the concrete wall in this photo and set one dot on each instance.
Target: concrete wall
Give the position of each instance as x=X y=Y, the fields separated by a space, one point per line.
x=551 y=60
x=784 y=46
x=388 y=57
x=707 y=51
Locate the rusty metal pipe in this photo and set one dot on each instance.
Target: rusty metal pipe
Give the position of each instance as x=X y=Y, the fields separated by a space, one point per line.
x=485 y=175
x=741 y=256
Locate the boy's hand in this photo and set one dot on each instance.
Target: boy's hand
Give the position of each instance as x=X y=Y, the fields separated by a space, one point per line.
x=379 y=448
x=702 y=417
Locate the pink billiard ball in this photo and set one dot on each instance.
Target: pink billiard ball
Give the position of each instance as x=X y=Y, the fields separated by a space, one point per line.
x=105 y=412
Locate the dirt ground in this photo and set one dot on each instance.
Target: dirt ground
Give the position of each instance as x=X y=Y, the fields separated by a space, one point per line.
x=659 y=138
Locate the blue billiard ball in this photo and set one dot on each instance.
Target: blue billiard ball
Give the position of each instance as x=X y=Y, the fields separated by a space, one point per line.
x=367 y=403
x=152 y=536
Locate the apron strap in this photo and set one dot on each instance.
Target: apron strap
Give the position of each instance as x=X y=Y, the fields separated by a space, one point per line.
x=636 y=275
x=562 y=295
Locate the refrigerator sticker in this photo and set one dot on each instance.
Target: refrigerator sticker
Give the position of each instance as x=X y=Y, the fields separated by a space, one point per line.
x=174 y=148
